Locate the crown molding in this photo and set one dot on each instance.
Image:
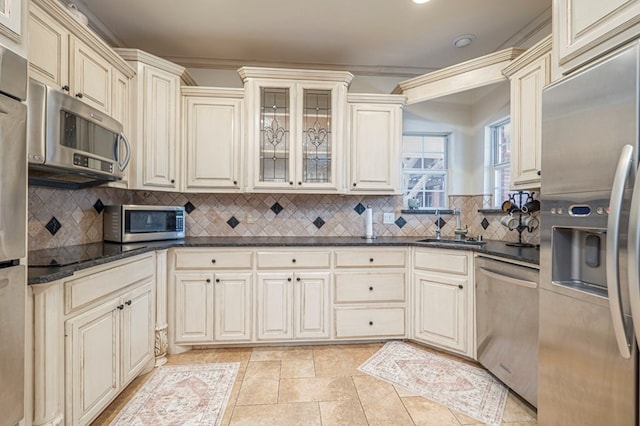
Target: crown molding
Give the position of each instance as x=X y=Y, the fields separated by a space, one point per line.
x=531 y=55
x=522 y=37
x=366 y=98
x=222 y=92
x=295 y=74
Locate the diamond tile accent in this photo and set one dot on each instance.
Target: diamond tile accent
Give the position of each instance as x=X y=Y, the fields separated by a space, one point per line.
x=53 y=226
x=441 y=222
x=98 y=206
x=484 y=223
x=400 y=222
x=360 y=208
x=276 y=208
x=233 y=222
x=189 y=207
x=318 y=222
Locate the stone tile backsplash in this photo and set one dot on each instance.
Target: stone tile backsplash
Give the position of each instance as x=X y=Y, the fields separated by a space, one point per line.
x=255 y=215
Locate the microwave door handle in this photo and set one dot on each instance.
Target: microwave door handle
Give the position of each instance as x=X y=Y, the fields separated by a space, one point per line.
x=127 y=156
x=633 y=250
x=612 y=255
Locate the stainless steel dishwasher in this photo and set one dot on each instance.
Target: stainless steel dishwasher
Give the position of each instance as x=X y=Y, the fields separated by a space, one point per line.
x=507 y=323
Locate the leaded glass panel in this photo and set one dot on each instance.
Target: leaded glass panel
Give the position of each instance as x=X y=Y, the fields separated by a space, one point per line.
x=274 y=134
x=316 y=133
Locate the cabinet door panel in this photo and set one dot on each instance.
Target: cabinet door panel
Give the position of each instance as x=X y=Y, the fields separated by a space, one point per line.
x=213 y=142
x=312 y=306
x=194 y=307
x=91 y=76
x=233 y=306
x=48 y=49
x=92 y=361
x=441 y=310
x=275 y=306
x=138 y=331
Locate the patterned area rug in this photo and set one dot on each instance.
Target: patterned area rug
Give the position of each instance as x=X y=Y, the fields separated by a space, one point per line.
x=462 y=387
x=181 y=395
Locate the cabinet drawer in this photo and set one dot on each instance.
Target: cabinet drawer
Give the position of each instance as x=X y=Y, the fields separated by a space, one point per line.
x=369 y=322
x=83 y=290
x=294 y=260
x=207 y=259
x=369 y=287
x=370 y=258
x=443 y=262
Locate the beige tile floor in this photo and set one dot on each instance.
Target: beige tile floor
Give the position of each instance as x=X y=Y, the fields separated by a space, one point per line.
x=319 y=385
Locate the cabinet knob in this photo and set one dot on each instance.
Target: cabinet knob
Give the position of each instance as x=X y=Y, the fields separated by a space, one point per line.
x=371 y=259
x=539 y=173
x=354 y=184
x=79 y=95
x=293 y=261
x=173 y=181
x=235 y=182
x=65 y=88
x=289 y=279
x=121 y=307
x=217 y=280
x=299 y=183
x=460 y=286
x=128 y=303
x=290 y=182
x=370 y=322
x=213 y=261
x=298 y=279
x=208 y=280
x=370 y=288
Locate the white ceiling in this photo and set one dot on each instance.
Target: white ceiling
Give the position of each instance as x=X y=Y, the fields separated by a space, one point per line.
x=365 y=36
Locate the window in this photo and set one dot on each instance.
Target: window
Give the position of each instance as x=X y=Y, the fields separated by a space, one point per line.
x=501 y=149
x=424 y=170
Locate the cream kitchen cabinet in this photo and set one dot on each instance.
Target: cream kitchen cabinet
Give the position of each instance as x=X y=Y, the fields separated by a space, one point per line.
x=121 y=103
x=293 y=302
x=443 y=300
x=295 y=129
x=212 y=134
x=69 y=57
x=375 y=137
x=528 y=73
x=585 y=29
x=212 y=296
x=94 y=333
x=369 y=297
x=155 y=163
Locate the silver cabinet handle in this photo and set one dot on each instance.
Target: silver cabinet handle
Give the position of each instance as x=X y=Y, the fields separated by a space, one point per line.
x=613 y=256
x=509 y=279
x=633 y=244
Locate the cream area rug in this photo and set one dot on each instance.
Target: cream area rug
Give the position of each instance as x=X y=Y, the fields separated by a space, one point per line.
x=181 y=395
x=462 y=387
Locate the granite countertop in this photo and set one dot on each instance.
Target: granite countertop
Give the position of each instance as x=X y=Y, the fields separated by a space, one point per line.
x=49 y=265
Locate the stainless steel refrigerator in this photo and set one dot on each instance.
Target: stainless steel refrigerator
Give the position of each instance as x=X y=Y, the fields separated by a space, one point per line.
x=588 y=355
x=13 y=192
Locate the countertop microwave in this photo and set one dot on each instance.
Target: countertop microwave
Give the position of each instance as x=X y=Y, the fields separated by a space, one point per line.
x=127 y=223
x=69 y=143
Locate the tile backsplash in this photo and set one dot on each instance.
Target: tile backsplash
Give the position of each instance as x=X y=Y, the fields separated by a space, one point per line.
x=79 y=217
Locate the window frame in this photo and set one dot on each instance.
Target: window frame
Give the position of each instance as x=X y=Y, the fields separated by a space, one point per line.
x=497 y=166
x=439 y=172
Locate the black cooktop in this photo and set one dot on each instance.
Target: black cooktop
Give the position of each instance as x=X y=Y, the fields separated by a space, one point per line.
x=69 y=255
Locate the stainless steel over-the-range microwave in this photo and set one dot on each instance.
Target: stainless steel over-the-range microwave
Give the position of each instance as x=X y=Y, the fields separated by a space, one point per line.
x=69 y=143
x=127 y=223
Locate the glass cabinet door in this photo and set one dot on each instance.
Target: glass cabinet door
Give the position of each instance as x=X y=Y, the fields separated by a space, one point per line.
x=275 y=131
x=317 y=137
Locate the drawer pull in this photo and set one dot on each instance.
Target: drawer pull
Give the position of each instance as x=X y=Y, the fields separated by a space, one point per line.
x=213 y=261
x=370 y=322
x=128 y=303
x=293 y=261
x=121 y=307
x=370 y=288
x=371 y=259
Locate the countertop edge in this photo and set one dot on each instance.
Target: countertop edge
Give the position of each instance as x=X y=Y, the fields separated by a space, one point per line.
x=44 y=275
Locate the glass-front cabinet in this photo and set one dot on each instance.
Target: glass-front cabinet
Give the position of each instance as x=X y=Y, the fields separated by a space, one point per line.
x=296 y=129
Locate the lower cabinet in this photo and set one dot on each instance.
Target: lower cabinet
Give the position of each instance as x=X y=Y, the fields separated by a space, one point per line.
x=232 y=306
x=293 y=305
x=443 y=300
x=194 y=307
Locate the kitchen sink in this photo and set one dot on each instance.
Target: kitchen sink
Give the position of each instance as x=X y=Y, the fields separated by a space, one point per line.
x=449 y=241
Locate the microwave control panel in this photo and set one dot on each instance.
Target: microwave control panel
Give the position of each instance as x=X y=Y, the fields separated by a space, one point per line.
x=92 y=163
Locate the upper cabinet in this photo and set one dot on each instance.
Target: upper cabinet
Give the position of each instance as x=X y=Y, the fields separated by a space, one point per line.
x=529 y=73
x=585 y=29
x=212 y=135
x=296 y=129
x=68 y=56
x=155 y=135
x=375 y=136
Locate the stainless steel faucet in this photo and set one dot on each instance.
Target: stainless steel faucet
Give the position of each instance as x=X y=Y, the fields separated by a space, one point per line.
x=437 y=224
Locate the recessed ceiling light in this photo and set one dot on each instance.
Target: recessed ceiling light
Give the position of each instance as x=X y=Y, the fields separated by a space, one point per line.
x=464 y=40
x=420 y=1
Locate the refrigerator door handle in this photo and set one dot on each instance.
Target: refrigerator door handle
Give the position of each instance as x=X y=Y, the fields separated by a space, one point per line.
x=612 y=256
x=633 y=249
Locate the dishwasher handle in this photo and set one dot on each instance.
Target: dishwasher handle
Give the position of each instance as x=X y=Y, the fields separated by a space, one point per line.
x=508 y=279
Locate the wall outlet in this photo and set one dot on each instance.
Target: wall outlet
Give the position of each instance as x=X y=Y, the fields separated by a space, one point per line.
x=389 y=218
